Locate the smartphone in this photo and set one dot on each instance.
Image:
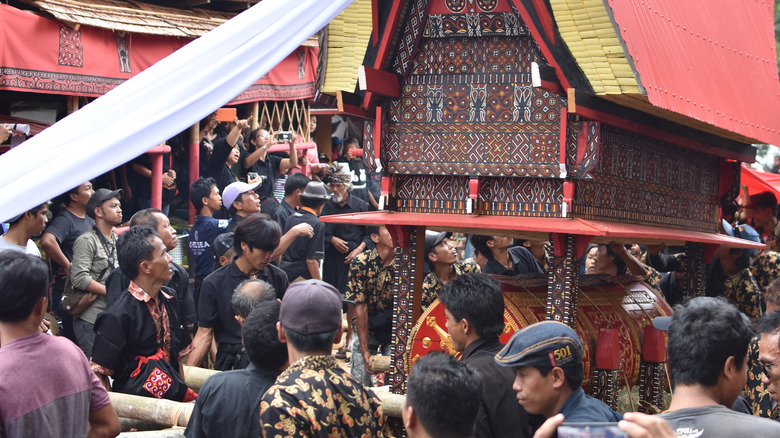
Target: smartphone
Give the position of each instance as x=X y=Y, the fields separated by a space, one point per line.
x=590 y=430
x=226 y=114
x=284 y=135
x=252 y=175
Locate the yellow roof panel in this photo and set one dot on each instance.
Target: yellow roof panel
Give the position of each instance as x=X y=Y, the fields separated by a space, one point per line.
x=348 y=37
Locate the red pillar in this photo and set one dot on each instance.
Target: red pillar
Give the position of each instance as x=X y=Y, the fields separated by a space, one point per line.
x=157 y=166
x=194 y=163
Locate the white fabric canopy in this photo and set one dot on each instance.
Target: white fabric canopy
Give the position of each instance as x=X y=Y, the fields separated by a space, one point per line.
x=158 y=103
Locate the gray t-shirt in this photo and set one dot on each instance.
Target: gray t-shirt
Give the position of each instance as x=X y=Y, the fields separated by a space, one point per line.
x=29 y=249
x=719 y=421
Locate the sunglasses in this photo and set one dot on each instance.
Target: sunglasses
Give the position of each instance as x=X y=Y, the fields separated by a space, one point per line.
x=765 y=367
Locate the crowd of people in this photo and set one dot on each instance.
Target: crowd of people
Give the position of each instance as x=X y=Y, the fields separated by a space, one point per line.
x=269 y=284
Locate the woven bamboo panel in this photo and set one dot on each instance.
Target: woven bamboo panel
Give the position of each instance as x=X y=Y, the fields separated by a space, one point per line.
x=348 y=36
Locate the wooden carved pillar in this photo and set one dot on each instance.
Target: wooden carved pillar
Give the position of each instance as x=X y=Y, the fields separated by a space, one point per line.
x=606 y=376
x=406 y=297
x=563 y=277
x=652 y=371
x=696 y=269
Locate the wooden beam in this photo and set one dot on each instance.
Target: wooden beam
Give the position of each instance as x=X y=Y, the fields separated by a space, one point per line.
x=544 y=77
x=386 y=42
x=594 y=108
x=378 y=81
x=349 y=103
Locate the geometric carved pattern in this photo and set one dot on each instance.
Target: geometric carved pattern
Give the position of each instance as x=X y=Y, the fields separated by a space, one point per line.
x=432 y=194
x=467 y=107
x=71 y=49
x=369 y=156
x=471 y=25
x=403 y=301
x=645 y=181
x=531 y=197
x=123 y=52
x=696 y=270
x=54 y=82
x=652 y=381
x=562 y=285
x=582 y=147
x=414 y=24
x=604 y=386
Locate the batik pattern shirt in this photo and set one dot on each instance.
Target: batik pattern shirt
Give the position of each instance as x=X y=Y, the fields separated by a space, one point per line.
x=766 y=268
x=371 y=283
x=742 y=290
x=431 y=286
x=315 y=397
x=756 y=393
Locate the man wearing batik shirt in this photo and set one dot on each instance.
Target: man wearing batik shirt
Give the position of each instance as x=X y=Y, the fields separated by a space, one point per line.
x=141 y=328
x=443 y=261
x=730 y=275
x=370 y=287
x=315 y=397
x=766 y=265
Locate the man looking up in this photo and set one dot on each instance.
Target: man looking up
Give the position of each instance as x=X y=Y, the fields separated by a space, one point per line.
x=503 y=258
x=94 y=257
x=309 y=323
x=443 y=261
x=255 y=240
x=22 y=228
x=179 y=282
x=474 y=307
x=370 y=287
x=761 y=212
x=547 y=359
x=204 y=195
x=707 y=350
x=241 y=200
x=295 y=185
x=437 y=377
x=39 y=396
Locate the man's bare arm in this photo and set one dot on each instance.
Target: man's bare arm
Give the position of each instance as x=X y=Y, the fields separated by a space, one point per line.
x=103 y=423
x=200 y=346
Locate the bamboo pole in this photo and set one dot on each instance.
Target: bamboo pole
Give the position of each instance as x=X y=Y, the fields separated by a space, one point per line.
x=380 y=364
x=165 y=433
x=160 y=411
x=195 y=377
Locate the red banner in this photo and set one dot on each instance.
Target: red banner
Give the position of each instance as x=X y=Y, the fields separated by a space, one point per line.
x=42 y=55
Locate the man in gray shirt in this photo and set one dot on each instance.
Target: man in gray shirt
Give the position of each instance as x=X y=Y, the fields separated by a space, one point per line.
x=94 y=257
x=707 y=348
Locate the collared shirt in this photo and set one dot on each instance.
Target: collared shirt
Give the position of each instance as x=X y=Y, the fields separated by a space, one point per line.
x=499 y=413
x=91 y=262
x=228 y=404
x=159 y=315
x=303 y=248
x=282 y=212
x=523 y=262
x=582 y=408
x=370 y=282
x=765 y=268
x=756 y=393
x=315 y=397
x=431 y=286
x=742 y=290
x=214 y=307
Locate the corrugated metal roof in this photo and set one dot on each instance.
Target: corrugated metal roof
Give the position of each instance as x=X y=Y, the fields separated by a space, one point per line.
x=132 y=16
x=348 y=36
x=587 y=29
x=712 y=61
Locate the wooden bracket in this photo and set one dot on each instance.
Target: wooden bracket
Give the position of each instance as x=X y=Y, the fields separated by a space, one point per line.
x=378 y=81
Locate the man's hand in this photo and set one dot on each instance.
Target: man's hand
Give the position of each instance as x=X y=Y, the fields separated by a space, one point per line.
x=303 y=230
x=5 y=132
x=167 y=180
x=339 y=244
x=639 y=425
x=44 y=326
x=352 y=255
x=366 y=359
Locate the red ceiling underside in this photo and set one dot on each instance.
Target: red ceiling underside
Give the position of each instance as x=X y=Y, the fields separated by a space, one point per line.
x=713 y=61
x=599 y=230
x=758 y=181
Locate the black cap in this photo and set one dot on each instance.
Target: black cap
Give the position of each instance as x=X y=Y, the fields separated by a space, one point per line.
x=221 y=244
x=99 y=197
x=433 y=238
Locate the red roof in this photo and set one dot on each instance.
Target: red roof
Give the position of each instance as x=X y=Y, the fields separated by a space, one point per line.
x=540 y=228
x=758 y=181
x=712 y=61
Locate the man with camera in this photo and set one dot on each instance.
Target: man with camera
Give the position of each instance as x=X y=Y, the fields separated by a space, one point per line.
x=264 y=164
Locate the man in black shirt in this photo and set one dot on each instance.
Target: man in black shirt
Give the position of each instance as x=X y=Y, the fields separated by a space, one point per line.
x=255 y=240
x=241 y=200
x=503 y=258
x=264 y=164
x=302 y=258
x=474 y=307
x=295 y=185
x=225 y=154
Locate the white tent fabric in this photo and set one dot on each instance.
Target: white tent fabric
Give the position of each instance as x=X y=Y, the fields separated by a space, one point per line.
x=159 y=102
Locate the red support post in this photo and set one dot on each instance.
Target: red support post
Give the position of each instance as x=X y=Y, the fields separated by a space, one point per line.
x=157 y=166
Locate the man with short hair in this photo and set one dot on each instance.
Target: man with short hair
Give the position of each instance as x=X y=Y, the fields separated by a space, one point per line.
x=139 y=339
x=442 y=258
x=204 y=195
x=474 y=307
x=769 y=353
x=255 y=240
x=442 y=398
x=225 y=154
x=264 y=164
x=302 y=258
x=179 y=282
x=370 y=287
x=22 y=228
x=223 y=251
x=248 y=295
x=228 y=404
x=503 y=258
x=94 y=257
x=295 y=185
x=707 y=357
x=40 y=396
x=761 y=212
x=241 y=200
x=547 y=359
x=309 y=323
